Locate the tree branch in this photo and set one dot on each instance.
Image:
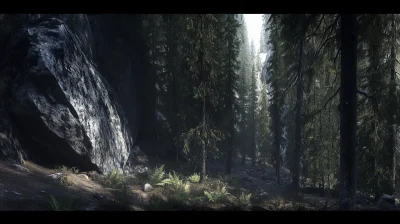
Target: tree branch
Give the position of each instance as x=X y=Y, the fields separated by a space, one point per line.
x=367 y=95
x=326 y=103
x=332 y=26
x=322 y=45
x=337 y=54
x=320 y=22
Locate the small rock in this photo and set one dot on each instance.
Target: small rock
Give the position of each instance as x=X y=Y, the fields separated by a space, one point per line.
x=84 y=176
x=147 y=188
x=362 y=201
x=44 y=192
x=264 y=195
x=19 y=168
x=388 y=199
x=386 y=202
x=141 y=169
x=98 y=196
x=16 y=193
x=55 y=175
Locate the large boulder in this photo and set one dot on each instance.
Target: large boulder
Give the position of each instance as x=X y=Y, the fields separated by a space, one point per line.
x=386 y=202
x=63 y=107
x=10 y=147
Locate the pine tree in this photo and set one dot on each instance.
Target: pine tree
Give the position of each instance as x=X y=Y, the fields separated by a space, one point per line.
x=231 y=70
x=202 y=59
x=253 y=101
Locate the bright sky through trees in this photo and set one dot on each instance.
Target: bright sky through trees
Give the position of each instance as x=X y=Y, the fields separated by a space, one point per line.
x=254 y=24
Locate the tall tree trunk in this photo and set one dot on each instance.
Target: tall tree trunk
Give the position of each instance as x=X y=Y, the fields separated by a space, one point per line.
x=204 y=127
x=204 y=152
x=297 y=140
x=321 y=164
x=277 y=133
x=392 y=111
x=348 y=112
x=230 y=111
x=253 y=140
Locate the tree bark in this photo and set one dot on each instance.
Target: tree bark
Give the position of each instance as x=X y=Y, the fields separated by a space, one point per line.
x=230 y=110
x=277 y=133
x=253 y=157
x=297 y=149
x=204 y=122
x=392 y=109
x=348 y=112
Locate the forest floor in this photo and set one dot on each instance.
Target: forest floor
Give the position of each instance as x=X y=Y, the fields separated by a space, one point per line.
x=32 y=187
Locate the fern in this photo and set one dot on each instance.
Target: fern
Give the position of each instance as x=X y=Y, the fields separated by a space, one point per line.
x=219 y=195
x=54 y=203
x=63 y=204
x=157 y=175
x=114 y=179
x=195 y=178
x=178 y=188
x=65 y=169
x=209 y=196
x=244 y=200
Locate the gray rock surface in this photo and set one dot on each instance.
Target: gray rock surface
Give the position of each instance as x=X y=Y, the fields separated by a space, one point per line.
x=60 y=102
x=147 y=188
x=386 y=202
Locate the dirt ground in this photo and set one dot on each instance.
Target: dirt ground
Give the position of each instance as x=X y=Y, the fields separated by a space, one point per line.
x=31 y=187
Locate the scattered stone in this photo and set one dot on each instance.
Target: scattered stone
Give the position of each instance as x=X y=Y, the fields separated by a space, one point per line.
x=264 y=195
x=141 y=169
x=257 y=208
x=56 y=176
x=147 y=188
x=84 y=176
x=91 y=207
x=19 y=168
x=98 y=196
x=16 y=193
x=386 y=202
x=388 y=199
x=362 y=201
x=44 y=192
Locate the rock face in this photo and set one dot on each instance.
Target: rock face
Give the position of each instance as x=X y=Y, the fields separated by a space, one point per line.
x=386 y=202
x=61 y=104
x=10 y=147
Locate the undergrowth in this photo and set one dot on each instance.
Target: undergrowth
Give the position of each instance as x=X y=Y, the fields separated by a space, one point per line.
x=195 y=178
x=66 y=203
x=64 y=169
x=114 y=179
x=156 y=176
x=244 y=200
x=219 y=195
x=177 y=188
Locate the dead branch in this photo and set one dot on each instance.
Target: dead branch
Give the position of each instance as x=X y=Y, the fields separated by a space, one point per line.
x=337 y=54
x=320 y=22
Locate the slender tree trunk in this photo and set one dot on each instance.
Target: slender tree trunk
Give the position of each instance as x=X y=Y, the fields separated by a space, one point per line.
x=348 y=112
x=204 y=152
x=253 y=158
x=392 y=109
x=204 y=126
x=297 y=149
x=277 y=133
x=321 y=157
x=230 y=111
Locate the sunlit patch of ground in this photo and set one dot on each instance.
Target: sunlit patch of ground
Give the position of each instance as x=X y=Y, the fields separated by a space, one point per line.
x=30 y=187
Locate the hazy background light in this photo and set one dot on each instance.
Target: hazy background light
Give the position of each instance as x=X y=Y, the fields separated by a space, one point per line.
x=254 y=24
